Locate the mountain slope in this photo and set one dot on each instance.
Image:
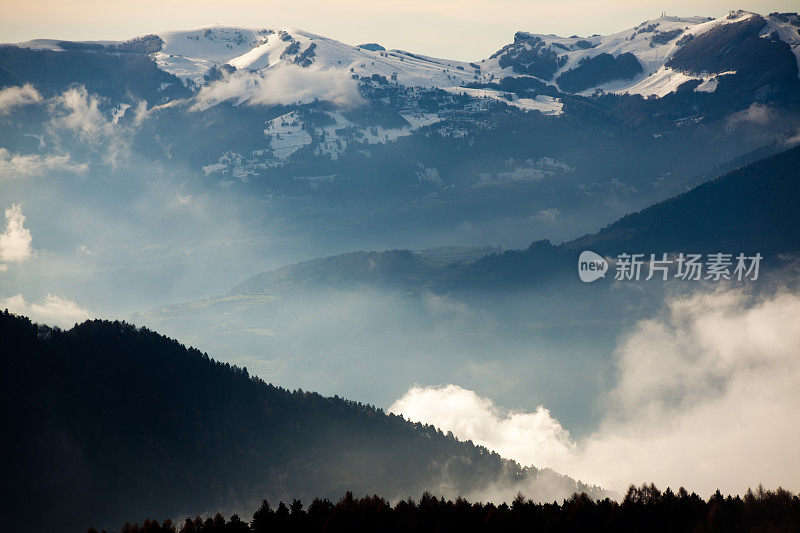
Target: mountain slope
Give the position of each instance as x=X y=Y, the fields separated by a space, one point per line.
x=112 y=423
x=401 y=269
x=750 y=209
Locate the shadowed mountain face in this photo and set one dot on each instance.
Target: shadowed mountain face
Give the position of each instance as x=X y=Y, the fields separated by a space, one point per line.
x=599 y=69
x=752 y=209
x=110 y=423
x=749 y=210
x=764 y=65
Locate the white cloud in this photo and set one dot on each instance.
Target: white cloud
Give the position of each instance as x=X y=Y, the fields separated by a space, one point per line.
x=80 y=113
x=547 y=215
x=444 y=305
x=284 y=84
x=530 y=438
x=11 y=97
x=707 y=397
x=15 y=241
x=140 y=114
x=14 y=165
x=759 y=114
x=54 y=310
x=183 y=199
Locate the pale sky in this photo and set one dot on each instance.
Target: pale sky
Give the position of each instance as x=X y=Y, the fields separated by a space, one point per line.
x=454 y=29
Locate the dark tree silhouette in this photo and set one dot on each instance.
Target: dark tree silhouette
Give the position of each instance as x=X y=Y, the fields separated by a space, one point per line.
x=107 y=422
x=643 y=508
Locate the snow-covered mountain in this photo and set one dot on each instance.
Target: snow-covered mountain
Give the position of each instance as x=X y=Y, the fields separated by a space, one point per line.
x=559 y=128
x=190 y=55
x=639 y=62
x=652 y=43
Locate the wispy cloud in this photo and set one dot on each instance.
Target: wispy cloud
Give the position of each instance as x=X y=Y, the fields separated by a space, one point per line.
x=706 y=397
x=13 y=165
x=80 y=113
x=756 y=114
x=547 y=215
x=75 y=114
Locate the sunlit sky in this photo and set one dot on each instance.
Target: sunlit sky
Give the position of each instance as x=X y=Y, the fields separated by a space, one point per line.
x=455 y=29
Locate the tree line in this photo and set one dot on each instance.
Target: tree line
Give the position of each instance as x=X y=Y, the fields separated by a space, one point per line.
x=643 y=508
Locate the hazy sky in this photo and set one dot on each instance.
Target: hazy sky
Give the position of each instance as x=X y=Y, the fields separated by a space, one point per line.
x=457 y=29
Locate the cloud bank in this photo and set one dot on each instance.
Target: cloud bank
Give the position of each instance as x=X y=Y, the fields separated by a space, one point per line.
x=706 y=397
x=53 y=310
x=284 y=84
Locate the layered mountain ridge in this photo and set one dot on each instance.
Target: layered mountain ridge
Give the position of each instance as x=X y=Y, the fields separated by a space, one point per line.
x=750 y=209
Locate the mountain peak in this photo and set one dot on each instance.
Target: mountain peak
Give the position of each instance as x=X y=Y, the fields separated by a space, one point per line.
x=633 y=61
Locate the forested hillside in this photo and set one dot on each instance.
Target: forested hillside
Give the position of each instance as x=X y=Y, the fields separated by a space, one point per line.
x=107 y=422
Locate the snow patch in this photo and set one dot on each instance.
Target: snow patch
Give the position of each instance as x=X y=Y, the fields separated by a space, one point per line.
x=666 y=80
x=545 y=104
x=531 y=171
x=286 y=135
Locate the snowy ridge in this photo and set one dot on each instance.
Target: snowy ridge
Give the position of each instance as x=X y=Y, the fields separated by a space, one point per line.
x=786 y=31
x=664 y=80
x=193 y=55
x=652 y=43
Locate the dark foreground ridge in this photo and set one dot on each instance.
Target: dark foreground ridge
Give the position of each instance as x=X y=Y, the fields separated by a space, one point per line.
x=644 y=508
x=108 y=422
